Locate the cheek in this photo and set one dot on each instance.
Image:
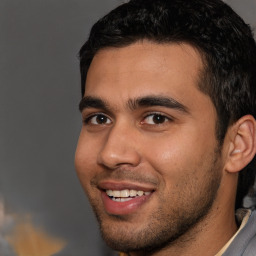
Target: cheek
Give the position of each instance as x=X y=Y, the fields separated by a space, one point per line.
x=178 y=153
x=85 y=159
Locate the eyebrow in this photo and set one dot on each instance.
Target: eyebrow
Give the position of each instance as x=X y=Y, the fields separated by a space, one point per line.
x=146 y=101
x=162 y=101
x=92 y=102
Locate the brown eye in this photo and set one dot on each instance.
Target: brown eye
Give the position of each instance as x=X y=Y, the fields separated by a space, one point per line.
x=98 y=119
x=155 y=119
x=158 y=119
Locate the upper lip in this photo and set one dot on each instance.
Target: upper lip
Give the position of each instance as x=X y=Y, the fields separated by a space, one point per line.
x=122 y=185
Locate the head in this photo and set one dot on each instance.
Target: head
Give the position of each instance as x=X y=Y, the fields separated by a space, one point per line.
x=226 y=73
x=224 y=41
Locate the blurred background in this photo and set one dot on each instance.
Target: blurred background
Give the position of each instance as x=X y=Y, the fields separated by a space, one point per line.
x=41 y=201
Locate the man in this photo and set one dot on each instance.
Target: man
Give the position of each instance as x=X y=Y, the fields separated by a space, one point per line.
x=168 y=140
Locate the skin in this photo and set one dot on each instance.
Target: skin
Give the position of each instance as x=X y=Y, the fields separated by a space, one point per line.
x=171 y=151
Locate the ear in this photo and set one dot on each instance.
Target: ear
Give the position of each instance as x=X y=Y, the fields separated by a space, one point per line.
x=242 y=144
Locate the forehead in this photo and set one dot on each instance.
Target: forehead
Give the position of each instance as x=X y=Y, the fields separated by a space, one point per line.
x=145 y=68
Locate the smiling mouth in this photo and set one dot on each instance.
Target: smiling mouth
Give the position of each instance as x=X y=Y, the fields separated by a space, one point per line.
x=126 y=194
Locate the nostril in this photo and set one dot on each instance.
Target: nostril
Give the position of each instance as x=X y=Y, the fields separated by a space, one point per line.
x=120 y=146
x=112 y=157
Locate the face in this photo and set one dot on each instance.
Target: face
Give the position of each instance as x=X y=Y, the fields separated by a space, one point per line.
x=147 y=153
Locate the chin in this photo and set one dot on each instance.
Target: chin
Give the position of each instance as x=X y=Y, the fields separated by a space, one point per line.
x=144 y=238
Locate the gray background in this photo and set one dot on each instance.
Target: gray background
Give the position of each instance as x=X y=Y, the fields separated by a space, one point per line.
x=39 y=118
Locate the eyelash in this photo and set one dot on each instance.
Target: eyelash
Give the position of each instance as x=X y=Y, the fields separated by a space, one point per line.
x=167 y=118
x=88 y=119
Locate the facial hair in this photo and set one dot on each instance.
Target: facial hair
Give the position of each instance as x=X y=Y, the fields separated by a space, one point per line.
x=179 y=211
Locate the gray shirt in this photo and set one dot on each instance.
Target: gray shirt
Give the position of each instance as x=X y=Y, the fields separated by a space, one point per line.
x=244 y=244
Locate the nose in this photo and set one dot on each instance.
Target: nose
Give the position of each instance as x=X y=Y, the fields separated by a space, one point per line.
x=120 y=148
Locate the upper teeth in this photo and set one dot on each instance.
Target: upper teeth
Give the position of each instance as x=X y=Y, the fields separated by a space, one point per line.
x=126 y=193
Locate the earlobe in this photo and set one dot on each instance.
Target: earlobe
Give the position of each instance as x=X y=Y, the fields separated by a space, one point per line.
x=242 y=144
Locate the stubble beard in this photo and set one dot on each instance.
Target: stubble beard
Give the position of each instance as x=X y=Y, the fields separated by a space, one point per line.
x=167 y=225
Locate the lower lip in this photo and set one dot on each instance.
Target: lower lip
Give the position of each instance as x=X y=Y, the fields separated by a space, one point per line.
x=123 y=208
